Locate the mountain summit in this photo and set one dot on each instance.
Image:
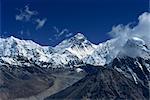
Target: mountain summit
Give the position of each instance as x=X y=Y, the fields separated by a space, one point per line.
x=77 y=45
x=79 y=36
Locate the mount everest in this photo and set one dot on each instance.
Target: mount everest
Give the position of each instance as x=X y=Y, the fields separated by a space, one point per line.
x=73 y=51
x=132 y=58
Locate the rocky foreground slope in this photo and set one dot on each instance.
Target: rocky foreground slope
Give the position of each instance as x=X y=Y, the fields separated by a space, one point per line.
x=103 y=84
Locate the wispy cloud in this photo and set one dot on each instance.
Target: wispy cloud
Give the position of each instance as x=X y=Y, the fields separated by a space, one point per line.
x=141 y=30
x=56 y=29
x=60 y=33
x=64 y=32
x=69 y=34
x=40 y=23
x=22 y=32
x=25 y=14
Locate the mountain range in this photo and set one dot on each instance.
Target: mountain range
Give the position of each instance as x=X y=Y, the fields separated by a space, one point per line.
x=76 y=58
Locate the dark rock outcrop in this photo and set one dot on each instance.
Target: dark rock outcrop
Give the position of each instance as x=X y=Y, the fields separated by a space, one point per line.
x=104 y=84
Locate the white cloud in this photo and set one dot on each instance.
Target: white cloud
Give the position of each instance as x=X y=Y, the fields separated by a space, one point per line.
x=30 y=16
x=56 y=29
x=40 y=23
x=123 y=33
x=64 y=31
x=29 y=12
x=141 y=30
x=25 y=14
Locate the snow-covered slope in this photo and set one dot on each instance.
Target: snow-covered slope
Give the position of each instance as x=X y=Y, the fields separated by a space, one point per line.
x=68 y=52
x=104 y=53
x=12 y=47
x=14 y=51
x=107 y=51
x=77 y=45
x=71 y=51
x=131 y=59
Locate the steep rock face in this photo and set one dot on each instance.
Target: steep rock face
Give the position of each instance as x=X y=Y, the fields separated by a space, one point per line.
x=133 y=61
x=105 y=84
x=137 y=69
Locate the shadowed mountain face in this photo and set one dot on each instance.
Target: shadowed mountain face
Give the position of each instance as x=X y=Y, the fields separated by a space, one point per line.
x=136 y=69
x=105 y=84
x=16 y=82
x=22 y=82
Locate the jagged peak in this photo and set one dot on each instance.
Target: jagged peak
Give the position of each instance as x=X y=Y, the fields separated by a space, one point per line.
x=12 y=37
x=79 y=36
x=18 y=41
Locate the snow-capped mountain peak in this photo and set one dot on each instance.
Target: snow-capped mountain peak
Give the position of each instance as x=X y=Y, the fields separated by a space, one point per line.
x=76 y=49
x=12 y=47
x=69 y=51
x=79 y=36
x=75 y=40
x=78 y=45
x=13 y=38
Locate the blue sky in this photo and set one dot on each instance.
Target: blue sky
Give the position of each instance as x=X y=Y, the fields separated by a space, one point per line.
x=48 y=22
